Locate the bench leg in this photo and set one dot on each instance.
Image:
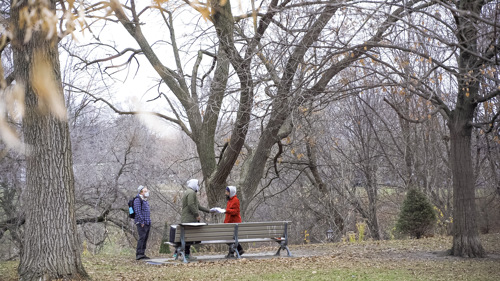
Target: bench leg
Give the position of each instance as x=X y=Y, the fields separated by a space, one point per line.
x=180 y=251
x=284 y=248
x=278 y=252
x=177 y=252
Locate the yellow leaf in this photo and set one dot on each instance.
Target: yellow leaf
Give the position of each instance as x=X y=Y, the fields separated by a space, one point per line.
x=14 y=99
x=159 y=2
x=45 y=86
x=205 y=13
x=9 y=136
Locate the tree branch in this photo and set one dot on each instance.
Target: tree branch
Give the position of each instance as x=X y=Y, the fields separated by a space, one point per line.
x=276 y=157
x=120 y=112
x=489 y=96
x=134 y=52
x=418 y=121
x=490 y=123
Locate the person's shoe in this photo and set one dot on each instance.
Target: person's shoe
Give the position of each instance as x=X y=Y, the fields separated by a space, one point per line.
x=175 y=256
x=230 y=255
x=190 y=258
x=145 y=258
x=140 y=257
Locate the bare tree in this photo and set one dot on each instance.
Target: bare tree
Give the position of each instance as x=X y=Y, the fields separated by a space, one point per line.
x=260 y=37
x=469 y=30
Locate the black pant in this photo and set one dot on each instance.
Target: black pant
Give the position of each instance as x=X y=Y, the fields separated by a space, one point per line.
x=143 y=239
x=187 y=249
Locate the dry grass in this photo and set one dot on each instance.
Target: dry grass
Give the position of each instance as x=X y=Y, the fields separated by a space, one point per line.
x=373 y=260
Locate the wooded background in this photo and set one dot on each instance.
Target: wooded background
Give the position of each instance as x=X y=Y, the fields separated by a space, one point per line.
x=321 y=112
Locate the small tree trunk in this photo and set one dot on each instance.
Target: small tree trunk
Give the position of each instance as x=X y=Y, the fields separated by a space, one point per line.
x=371 y=190
x=51 y=249
x=373 y=220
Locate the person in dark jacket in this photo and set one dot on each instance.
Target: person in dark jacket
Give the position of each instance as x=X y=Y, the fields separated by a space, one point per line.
x=190 y=209
x=233 y=214
x=142 y=221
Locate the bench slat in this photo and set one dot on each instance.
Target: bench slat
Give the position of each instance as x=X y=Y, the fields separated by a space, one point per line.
x=192 y=238
x=210 y=228
x=232 y=241
x=240 y=232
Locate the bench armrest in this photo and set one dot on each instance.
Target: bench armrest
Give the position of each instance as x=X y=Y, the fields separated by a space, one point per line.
x=193 y=224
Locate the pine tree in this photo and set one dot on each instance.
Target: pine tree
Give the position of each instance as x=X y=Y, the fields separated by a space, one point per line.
x=417 y=215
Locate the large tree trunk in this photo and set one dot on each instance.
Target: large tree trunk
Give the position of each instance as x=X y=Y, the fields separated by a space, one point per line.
x=51 y=249
x=466 y=241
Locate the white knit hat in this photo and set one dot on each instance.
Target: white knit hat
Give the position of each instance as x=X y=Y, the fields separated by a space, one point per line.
x=193 y=184
x=232 y=191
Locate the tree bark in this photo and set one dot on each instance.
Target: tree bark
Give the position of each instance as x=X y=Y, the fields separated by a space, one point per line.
x=51 y=248
x=466 y=241
x=371 y=190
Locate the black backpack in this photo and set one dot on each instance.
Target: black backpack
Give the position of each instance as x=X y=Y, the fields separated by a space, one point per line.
x=131 y=211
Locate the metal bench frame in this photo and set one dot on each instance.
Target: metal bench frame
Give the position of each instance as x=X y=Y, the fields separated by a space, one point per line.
x=260 y=232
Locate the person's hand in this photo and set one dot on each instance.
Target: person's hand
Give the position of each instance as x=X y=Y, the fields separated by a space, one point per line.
x=198 y=218
x=142 y=225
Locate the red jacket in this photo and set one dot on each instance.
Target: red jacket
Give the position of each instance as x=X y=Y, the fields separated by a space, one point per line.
x=233 y=210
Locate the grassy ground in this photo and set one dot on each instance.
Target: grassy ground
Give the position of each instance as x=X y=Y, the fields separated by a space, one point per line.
x=386 y=260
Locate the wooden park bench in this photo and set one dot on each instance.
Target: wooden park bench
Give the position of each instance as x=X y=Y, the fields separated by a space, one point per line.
x=228 y=233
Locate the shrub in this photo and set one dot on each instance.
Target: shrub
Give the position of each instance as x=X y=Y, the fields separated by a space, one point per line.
x=361 y=226
x=417 y=215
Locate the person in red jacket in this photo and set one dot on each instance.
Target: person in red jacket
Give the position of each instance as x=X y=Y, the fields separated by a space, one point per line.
x=233 y=214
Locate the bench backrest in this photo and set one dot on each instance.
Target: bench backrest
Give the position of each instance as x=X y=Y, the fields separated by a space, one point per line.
x=225 y=231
